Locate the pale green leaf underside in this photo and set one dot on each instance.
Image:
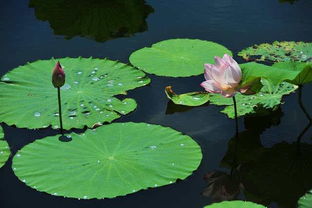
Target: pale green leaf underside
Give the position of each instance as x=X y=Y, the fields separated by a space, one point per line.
x=113 y=160
x=4 y=149
x=305 y=201
x=269 y=97
x=28 y=98
x=235 y=204
x=177 y=57
x=279 y=51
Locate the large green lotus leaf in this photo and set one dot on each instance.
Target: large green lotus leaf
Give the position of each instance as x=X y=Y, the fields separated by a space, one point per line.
x=177 y=57
x=279 y=51
x=112 y=160
x=269 y=97
x=28 y=98
x=100 y=20
x=305 y=201
x=235 y=204
x=298 y=72
x=4 y=149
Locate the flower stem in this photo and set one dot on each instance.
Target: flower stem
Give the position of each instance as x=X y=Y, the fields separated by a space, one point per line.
x=301 y=104
x=235 y=112
x=60 y=109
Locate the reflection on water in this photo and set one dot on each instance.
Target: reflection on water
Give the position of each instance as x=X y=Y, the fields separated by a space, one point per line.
x=289 y=1
x=280 y=174
x=100 y=20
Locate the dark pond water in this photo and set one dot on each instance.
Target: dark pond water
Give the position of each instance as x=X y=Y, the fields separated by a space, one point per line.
x=32 y=30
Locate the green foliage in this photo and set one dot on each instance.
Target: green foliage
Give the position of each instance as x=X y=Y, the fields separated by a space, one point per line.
x=177 y=57
x=99 y=20
x=112 y=160
x=278 y=52
x=28 y=98
x=269 y=97
x=235 y=204
x=305 y=201
x=4 y=149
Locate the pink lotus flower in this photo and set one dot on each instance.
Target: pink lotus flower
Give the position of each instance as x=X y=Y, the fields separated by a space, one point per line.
x=58 y=76
x=223 y=77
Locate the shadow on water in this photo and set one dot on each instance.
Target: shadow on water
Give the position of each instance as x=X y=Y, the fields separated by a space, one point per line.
x=100 y=20
x=279 y=174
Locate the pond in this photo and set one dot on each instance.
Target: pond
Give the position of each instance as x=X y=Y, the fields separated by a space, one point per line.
x=263 y=164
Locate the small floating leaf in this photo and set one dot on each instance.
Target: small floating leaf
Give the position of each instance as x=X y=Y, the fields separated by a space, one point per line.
x=305 y=201
x=188 y=99
x=235 y=204
x=28 y=99
x=278 y=52
x=113 y=160
x=177 y=57
x=4 y=149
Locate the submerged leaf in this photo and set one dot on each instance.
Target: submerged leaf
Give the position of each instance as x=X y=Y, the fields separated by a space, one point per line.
x=4 y=149
x=99 y=20
x=278 y=52
x=112 y=160
x=235 y=204
x=28 y=99
x=177 y=57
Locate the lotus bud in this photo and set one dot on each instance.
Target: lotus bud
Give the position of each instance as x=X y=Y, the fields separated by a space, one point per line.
x=58 y=76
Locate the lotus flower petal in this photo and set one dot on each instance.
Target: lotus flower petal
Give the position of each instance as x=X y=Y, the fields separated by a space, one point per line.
x=211 y=86
x=222 y=77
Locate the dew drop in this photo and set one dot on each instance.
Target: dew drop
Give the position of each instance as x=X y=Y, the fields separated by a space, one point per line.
x=123 y=112
x=110 y=106
x=153 y=147
x=81 y=105
x=76 y=82
x=109 y=100
x=196 y=98
x=155 y=185
x=173 y=164
x=24 y=180
x=95 y=79
x=85 y=197
x=66 y=87
x=37 y=114
x=181 y=145
x=5 y=79
x=120 y=84
x=18 y=155
x=79 y=72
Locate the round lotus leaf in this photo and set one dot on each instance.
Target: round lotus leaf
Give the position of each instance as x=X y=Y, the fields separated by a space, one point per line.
x=278 y=52
x=29 y=100
x=112 y=160
x=177 y=57
x=4 y=149
x=306 y=200
x=235 y=204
